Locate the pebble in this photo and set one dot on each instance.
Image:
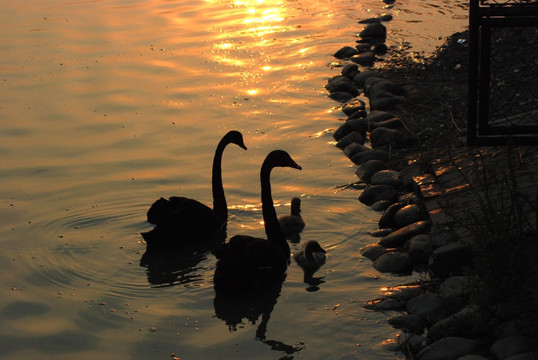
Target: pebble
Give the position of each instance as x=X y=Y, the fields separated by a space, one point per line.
x=345 y=52
x=408 y=214
x=375 y=193
x=394 y=262
x=361 y=77
x=513 y=345
x=400 y=236
x=365 y=171
x=427 y=305
x=374 y=30
x=375 y=154
x=386 y=177
x=447 y=348
x=365 y=58
x=387 y=219
x=352 y=137
x=419 y=248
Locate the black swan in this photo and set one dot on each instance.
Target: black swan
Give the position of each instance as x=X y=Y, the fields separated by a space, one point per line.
x=246 y=262
x=293 y=223
x=179 y=219
x=311 y=256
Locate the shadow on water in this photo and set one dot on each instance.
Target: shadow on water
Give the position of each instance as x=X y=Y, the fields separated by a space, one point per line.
x=174 y=265
x=233 y=307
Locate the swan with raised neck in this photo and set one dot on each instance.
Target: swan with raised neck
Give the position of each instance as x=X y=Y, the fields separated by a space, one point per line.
x=249 y=261
x=180 y=219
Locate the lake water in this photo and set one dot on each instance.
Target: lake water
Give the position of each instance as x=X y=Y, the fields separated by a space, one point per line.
x=107 y=105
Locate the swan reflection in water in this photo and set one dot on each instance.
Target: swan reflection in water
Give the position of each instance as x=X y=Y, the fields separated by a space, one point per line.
x=235 y=308
x=173 y=265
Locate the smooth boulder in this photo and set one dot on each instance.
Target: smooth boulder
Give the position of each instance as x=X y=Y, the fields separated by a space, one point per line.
x=399 y=237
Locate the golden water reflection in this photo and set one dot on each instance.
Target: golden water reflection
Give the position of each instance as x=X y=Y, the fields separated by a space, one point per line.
x=243 y=38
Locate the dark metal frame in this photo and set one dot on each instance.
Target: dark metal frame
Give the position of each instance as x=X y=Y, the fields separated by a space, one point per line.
x=481 y=20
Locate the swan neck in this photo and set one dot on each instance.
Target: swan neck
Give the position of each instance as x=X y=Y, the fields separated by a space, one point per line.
x=272 y=226
x=220 y=208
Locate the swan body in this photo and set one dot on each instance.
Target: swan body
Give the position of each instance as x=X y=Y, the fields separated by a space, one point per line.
x=311 y=256
x=293 y=223
x=247 y=262
x=179 y=220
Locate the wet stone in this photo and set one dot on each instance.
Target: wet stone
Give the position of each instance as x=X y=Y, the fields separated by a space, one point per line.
x=449 y=258
x=341 y=84
x=363 y=46
x=352 y=137
x=373 y=251
x=374 y=30
x=404 y=292
x=381 y=49
x=383 y=137
x=414 y=343
x=353 y=148
x=407 y=215
x=400 y=236
x=359 y=125
x=473 y=357
x=456 y=324
x=456 y=287
x=376 y=116
x=447 y=348
x=336 y=81
x=375 y=154
x=379 y=232
x=525 y=326
x=365 y=58
x=409 y=198
x=385 y=101
x=345 y=52
x=411 y=323
x=359 y=114
x=350 y=70
x=393 y=262
x=419 y=248
x=387 y=219
x=365 y=171
x=427 y=305
x=374 y=85
x=513 y=345
x=376 y=193
x=341 y=96
x=382 y=205
x=352 y=106
x=386 y=177
x=361 y=77
x=342 y=131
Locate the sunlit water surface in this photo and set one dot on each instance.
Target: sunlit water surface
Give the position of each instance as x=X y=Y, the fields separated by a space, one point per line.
x=107 y=105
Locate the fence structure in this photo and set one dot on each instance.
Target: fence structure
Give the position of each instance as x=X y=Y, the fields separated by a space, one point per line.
x=503 y=69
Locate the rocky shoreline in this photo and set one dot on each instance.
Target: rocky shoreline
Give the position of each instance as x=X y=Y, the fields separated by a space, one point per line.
x=390 y=135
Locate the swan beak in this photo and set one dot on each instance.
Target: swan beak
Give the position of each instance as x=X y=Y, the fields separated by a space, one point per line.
x=296 y=166
x=242 y=146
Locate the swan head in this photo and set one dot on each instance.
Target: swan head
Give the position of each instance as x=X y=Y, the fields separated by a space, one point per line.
x=281 y=158
x=235 y=137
